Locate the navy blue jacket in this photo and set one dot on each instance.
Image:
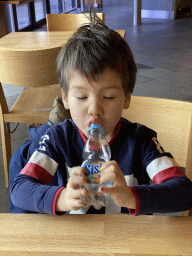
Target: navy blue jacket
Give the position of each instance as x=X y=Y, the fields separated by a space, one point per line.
x=135 y=148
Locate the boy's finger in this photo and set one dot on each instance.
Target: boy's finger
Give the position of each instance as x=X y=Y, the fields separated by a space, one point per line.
x=76 y=171
x=76 y=204
x=76 y=181
x=107 y=190
x=77 y=198
x=79 y=193
x=107 y=164
x=108 y=177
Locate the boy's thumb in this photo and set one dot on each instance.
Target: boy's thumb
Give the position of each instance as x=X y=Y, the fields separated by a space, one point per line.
x=107 y=190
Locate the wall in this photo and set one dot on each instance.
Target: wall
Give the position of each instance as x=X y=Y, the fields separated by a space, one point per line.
x=158 y=9
x=92 y=1
x=167 y=5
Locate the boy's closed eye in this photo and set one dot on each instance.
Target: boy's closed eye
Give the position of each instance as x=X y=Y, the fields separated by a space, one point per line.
x=81 y=97
x=105 y=97
x=109 y=97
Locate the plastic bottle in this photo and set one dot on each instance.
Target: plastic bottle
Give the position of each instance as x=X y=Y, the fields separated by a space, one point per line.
x=96 y=152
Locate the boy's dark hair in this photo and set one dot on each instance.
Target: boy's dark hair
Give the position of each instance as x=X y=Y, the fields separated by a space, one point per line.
x=91 y=49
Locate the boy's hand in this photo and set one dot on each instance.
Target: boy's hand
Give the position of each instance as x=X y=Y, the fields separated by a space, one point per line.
x=70 y=197
x=121 y=194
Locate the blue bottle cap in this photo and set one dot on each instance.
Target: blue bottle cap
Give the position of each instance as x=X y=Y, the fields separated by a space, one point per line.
x=96 y=126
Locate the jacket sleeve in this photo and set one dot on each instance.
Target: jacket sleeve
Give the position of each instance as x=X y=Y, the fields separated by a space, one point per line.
x=21 y=157
x=29 y=194
x=171 y=190
x=173 y=195
x=30 y=189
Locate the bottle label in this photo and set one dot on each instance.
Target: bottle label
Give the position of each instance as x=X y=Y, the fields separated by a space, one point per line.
x=93 y=169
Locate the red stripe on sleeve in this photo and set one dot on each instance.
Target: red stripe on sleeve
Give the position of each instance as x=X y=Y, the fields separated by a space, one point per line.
x=167 y=174
x=37 y=172
x=135 y=211
x=55 y=201
x=83 y=136
x=116 y=132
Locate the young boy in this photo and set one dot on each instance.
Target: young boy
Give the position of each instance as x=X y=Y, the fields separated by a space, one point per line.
x=97 y=76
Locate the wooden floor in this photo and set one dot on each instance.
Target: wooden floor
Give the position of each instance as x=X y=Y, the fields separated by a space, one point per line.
x=162 y=49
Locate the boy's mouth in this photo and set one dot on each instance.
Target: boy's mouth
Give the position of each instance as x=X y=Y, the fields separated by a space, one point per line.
x=94 y=121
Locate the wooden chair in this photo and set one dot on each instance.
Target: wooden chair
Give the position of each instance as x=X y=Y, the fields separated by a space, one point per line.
x=172 y=120
x=35 y=70
x=68 y=22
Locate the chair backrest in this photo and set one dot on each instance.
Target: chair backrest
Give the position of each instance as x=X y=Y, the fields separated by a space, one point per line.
x=68 y=22
x=29 y=68
x=171 y=119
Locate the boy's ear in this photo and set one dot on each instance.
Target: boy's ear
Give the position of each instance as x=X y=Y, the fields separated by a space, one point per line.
x=64 y=99
x=127 y=101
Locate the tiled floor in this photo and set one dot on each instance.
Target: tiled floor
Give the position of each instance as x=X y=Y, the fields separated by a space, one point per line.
x=163 y=53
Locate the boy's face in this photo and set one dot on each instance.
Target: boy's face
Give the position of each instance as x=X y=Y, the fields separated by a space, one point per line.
x=102 y=100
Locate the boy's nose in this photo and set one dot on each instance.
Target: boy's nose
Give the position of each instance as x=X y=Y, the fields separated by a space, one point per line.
x=95 y=108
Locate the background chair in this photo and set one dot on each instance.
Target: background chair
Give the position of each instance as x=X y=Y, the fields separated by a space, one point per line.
x=172 y=120
x=68 y=22
x=35 y=70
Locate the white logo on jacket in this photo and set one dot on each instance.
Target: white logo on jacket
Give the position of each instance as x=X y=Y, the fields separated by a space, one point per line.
x=43 y=139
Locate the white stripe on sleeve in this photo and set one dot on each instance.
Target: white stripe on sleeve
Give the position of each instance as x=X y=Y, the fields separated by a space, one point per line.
x=130 y=180
x=44 y=161
x=160 y=164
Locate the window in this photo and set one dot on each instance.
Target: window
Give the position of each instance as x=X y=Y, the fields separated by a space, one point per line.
x=29 y=16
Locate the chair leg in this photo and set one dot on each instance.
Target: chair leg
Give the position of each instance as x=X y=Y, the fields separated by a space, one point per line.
x=175 y=9
x=6 y=138
x=6 y=147
x=187 y=213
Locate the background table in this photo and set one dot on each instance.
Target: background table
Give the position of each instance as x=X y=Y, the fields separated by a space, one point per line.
x=31 y=41
x=117 y=235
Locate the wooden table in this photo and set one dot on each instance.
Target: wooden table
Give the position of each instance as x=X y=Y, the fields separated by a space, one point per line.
x=117 y=235
x=31 y=41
